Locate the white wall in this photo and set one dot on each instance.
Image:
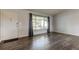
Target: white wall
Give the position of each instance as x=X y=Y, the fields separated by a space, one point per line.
x=8 y=23
x=67 y=22
x=15 y=23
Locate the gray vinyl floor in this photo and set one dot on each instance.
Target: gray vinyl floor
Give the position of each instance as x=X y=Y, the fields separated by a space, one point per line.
x=51 y=41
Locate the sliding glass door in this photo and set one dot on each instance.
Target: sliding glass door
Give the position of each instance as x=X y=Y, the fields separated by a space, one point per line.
x=40 y=24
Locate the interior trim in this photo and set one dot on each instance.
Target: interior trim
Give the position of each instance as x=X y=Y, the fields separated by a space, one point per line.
x=10 y=40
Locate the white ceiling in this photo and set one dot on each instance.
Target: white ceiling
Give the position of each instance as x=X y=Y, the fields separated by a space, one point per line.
x=47 y=11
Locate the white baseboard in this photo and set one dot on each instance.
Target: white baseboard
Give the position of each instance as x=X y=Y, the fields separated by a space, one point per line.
x=67 y=33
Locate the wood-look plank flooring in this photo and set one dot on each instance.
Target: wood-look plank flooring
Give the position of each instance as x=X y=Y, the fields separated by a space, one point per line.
x=51 y=41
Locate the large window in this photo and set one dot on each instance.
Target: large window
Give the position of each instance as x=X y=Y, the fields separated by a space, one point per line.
x=39 y=22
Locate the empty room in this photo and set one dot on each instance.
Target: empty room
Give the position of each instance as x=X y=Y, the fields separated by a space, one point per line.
x=39 y=29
